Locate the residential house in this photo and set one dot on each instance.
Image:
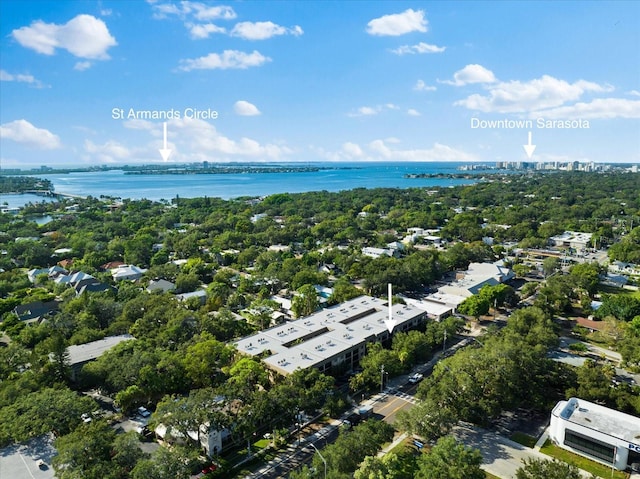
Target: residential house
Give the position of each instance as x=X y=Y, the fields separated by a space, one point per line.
x=50 y=272
x=378 y=252
x=127 y=273
x=160 y=286
x=92 y=285
x=36 y=311
x=81 y=354
x=111 y=265
x=201 y=294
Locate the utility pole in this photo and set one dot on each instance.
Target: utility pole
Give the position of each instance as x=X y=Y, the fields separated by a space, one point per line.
x=382 y=378
x=444 y=342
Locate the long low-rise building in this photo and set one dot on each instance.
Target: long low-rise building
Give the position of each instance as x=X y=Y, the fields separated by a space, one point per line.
x=597 y=432
x=331 y=340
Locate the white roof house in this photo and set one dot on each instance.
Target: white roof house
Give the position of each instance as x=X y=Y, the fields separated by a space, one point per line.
x=127 y=272
x=377 y=252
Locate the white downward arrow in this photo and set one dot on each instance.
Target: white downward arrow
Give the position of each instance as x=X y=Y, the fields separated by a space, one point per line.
x=391 y=323
x=529 y=148
x=165 y=152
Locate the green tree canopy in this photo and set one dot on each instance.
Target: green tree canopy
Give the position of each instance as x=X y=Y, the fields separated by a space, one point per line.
x=449 y=459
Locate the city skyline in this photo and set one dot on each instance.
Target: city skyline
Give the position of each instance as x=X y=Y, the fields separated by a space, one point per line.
x=90 y=83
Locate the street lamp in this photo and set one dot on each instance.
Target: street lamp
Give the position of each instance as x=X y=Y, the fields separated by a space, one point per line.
x=322 y=458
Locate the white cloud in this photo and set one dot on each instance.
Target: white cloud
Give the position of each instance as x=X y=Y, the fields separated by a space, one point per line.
x=634 y=93
x=598 y=108
x=422 y=86
x=263 y=30
x=540 y=93
x=412 y=112
x=244 y=108
x=372 y=110
x=204 y=138
x=229 y=59
x=439 y=152
x=197 y=17
x=473 y=73
x=206 y=12
x=84 y=36
x=137 y=124
x=352 y=150
x=23 y=132
x=22 y=78
x=194 y=140
x=398 y=23
x=108 y=152
x=82 y=66
x=365 y=111
x=200 y=31
x=421 y=47
x=196 y=10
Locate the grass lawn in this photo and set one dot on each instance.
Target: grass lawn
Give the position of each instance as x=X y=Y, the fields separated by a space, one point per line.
x=524 y=439
x=602 y=288
x=582 y=462
x=488 y=475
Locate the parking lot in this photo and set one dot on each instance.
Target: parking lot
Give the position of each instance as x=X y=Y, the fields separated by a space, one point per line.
x=20 y=461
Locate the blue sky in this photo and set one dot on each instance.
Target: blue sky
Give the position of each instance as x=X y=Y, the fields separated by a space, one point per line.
x=317 y=81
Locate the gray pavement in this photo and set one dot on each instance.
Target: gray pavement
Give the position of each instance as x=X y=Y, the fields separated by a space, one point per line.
x=501 y=456
x=20 y=461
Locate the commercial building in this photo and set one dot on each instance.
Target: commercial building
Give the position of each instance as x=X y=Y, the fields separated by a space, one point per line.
x=572 y=239
x=599 y=433
x=332 y=340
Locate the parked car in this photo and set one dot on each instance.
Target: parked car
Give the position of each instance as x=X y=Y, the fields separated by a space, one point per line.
x=208 y=469
x=143 y=411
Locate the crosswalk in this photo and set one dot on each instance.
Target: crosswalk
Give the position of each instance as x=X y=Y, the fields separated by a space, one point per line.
x=402 y=395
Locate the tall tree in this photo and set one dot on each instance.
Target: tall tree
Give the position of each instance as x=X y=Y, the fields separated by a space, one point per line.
x=305 y=302
x=449 y=459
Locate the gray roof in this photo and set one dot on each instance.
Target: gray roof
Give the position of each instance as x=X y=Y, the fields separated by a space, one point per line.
x=82 y=353
x=310 y=341
x=160 y=285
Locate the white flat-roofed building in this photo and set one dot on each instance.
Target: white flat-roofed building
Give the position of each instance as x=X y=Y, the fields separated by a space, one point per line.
x=605 y=435
x=435 y=309
x=572 y=239
x=447 y=299
x=335 y=337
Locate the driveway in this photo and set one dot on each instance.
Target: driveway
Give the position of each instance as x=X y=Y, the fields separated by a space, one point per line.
x=501 y=456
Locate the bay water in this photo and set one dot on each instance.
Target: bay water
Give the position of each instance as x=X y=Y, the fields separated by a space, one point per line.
x=338 y=177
